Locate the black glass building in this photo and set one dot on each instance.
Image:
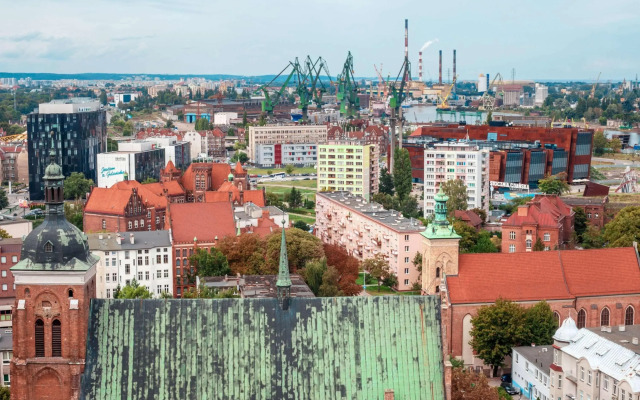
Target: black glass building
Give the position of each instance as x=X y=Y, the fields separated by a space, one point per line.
x=79 y=131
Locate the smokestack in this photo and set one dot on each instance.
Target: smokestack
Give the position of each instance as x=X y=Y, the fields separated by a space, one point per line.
x=406 y=38
x=454 y=70
x=440 y=70
x=420 y=66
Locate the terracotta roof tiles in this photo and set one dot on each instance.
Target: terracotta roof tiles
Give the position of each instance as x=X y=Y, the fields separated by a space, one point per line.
x=204 y=221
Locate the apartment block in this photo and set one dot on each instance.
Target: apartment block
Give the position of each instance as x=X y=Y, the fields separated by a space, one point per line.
x=349 y=166
x=366 y=229
x=143 y=256
x=448 y=161
x=272 y=155
x=285 y=134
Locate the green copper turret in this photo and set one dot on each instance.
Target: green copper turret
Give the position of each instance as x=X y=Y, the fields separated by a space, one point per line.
x=440 y=228
x=283 y=284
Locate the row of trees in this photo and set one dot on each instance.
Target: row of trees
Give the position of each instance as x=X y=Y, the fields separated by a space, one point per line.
x=395 y=188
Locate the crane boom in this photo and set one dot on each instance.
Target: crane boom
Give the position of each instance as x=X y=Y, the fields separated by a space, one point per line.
x=593 y=88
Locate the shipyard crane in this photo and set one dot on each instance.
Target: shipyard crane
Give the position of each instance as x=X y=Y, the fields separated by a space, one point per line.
x=396 y=97
x=444 y=106
x=271 y=100
x=310 y=87
x=347 y=93
x=488 y=101
x=381 y=82
x=593 y=88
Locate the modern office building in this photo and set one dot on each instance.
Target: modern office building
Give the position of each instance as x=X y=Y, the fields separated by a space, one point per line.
x=449 y=161
x=285 y=134
x=79 y=127
x=349 y=166
x=541 y=94
x=276 y=155
x=483 y=83
x=136 y=160
x=143 y=256
x=366 y=230
x=176 y=151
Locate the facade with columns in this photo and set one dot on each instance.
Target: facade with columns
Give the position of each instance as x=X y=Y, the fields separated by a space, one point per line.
x=585 y=284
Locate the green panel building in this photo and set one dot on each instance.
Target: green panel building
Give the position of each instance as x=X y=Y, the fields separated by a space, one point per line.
x=308 y=348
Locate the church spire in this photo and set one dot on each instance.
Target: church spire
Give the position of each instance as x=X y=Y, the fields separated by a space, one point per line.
x=440 y=228
x=283 y=284
x=441 y=208
x=53 y=181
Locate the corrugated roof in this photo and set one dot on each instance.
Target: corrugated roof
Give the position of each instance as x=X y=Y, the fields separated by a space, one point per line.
x=319 y=348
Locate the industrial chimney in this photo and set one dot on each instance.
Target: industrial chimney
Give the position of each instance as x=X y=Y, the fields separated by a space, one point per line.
x=440 y=70
x=454 y=70
x=420 y=66
x=406 y=38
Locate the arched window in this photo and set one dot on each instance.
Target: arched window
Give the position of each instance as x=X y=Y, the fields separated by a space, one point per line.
x=582 y=319
x=129 y=224
x=27 y=293
x=437 y=289
x=48 y=247
x=104 y=224
x=628 y=315
x=39 y=338
x=556 y=315
x=56 y=340
x=71 y=292
x=438 y=272
x=604 y=317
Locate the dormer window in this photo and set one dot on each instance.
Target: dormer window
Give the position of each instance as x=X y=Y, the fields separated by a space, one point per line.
x=48 y=247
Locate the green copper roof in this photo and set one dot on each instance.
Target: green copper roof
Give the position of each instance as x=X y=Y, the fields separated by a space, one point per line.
x=440 y=228
x=320 y=348
x=284 y=279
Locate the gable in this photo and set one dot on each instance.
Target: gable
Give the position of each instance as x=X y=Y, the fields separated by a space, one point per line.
x=320 y=348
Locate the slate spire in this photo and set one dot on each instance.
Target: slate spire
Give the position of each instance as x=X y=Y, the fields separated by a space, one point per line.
x=283 y=284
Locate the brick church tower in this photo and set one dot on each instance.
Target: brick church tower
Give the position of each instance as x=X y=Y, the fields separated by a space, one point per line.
x=55 y=282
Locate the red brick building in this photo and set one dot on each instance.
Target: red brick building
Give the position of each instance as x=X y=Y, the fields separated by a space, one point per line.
x=469 y=217
x=9 y=256
x=546 y=218
x=199 y=225
x=594 y=207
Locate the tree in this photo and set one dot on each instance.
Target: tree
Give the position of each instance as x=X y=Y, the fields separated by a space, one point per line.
x=244 y=119
x=240 y=156
x=386 y=200
x=592 y=238
x=127 y=130
x=289 y=169
x=76 y=186
x=312 y=274
x=4 y=201
x=541 y=324
x=409 y=207
x=262 y=121
x=203 y=292
x=329 y=287
x=457 y=192
x=402 y=173
x=301 y=247
x=132 y=291
x=347 y=267
x=4 y=234
x=300 y=224
x=481 y=213
x=468 y=233
x=272 y=199
x=496 y=329
x=245 y=254
x=579 y=221
x=554 y=184
x=378 y=268
x=484 y=244
x=103 y=97
x=538 y=246
x=599 y=143
x=615 y=145
x=149 y=180
x=624 y=229
x=73 y=213
x=470 y=385
x=209 y=263
x=294 y=198
x=489 y=117
x=386 y=182
x=168 y=124
x=202 y=124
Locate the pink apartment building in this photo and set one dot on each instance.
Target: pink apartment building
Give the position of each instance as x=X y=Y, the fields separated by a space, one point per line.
x=367 y=229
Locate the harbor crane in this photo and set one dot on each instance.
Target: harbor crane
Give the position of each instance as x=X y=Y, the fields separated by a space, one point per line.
x=310 y=87
x=444 y=105
x=270 y=100
x=382 y=85
x=347 y=93
x=488 y=102
x=593 y=88
x=396 y=97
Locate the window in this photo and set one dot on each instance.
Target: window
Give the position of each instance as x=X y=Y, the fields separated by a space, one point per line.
x=146 y=260
x=406 y=259
x=159 y=274
x=107 y=278
x=127 y=269
x=628 y=316
x=582 y=374
x=556 y=315
x=115 y=277
x=108 y=293
x=547 y=237
x=130 y=225
x=3 y=259
x=582 y=319
x=406 y=237
x=158 y=259
x=48 y=247
x=159 y=289
x=4 y=287
x=512 y=248
x=559 y=381
x=4 y=274
x=7 y=356
x=113 y=262
x=146 y=275
x=406 y=270
x=529 y=243
x=142 y=223
x=139 y=276
x=104 y=224
x=39 y=338
x=589 y=378
x=14 y=259
x=135 y=223
x=438 y=272
x=605 y=383
x=165 y=258
x=406 y=281
x=526 y=366
x=166 y=273
x=512 y=235
x=604 y=317
x=106 y=262
x=166 y=288
x=406 y=248
x=126 y=254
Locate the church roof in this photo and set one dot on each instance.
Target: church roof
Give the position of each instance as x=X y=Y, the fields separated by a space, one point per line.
x=319 y=348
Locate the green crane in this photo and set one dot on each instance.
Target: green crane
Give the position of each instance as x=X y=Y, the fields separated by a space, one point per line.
x=396 y=97
x=308 y=82
x=271 y=100
x=347 y=93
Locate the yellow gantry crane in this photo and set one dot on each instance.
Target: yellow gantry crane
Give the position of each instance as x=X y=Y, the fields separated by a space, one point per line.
x=444 y=98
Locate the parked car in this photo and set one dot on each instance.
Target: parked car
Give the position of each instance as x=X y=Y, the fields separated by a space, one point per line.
x=505 y=378
x=509 y=388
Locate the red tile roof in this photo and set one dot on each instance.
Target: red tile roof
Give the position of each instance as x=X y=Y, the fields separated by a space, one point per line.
x=238 y=169
x=219 y=174
x=544 y=275
x=147 y=196
x=218 y=133
x=256 y=197
x=265 y=227
x=542 y=211
x=204 y=221
x=170 y=168
x=173 y=188
x=215 y=197
x=469 y=217
x=107 y=201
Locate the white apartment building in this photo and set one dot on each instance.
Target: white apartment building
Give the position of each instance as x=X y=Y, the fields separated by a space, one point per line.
x=285 y=134
x=274 y=155
x=542 y=92
x=366 y=229
x=456 y=160
x=143 y=256
x=350 y=166
x=596 y=363
x=530 y=371
x=224 y=118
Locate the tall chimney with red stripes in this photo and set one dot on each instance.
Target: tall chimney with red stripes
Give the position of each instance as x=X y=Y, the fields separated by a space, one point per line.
x=440 y=70
x=454 y=70
x=420 y=66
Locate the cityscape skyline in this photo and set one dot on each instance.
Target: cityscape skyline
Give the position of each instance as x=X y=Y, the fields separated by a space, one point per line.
x=156 y=37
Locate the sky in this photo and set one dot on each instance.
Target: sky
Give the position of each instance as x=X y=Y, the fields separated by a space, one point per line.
x=540 y=39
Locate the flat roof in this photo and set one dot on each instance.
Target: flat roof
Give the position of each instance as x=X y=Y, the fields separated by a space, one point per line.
x=540 y=356
x=141 y=240
x=258 y=286
x=622 y=338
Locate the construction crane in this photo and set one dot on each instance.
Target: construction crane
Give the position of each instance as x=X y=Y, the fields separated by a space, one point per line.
x=271 y=100
x=347 y=93
x=396 y=97
x=593 y=88
x=444 y=106
x=381 y=83
x=488 y=101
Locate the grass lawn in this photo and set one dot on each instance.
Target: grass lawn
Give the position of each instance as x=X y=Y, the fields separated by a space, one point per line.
x=621 y=156
x=304 y=211
x=311 y=183
x=280 y=191
x=624 y=198
x=306 y=220
x=263 y=171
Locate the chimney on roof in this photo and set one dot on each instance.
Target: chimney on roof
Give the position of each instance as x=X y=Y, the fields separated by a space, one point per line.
x=118 y=238
x=622 y=328
x=523 y=211
x=388 y=394
x=634 y=340
x=131 y=238
x=100 y=236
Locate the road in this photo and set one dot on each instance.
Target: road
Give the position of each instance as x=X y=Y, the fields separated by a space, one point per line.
x=614 y=163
